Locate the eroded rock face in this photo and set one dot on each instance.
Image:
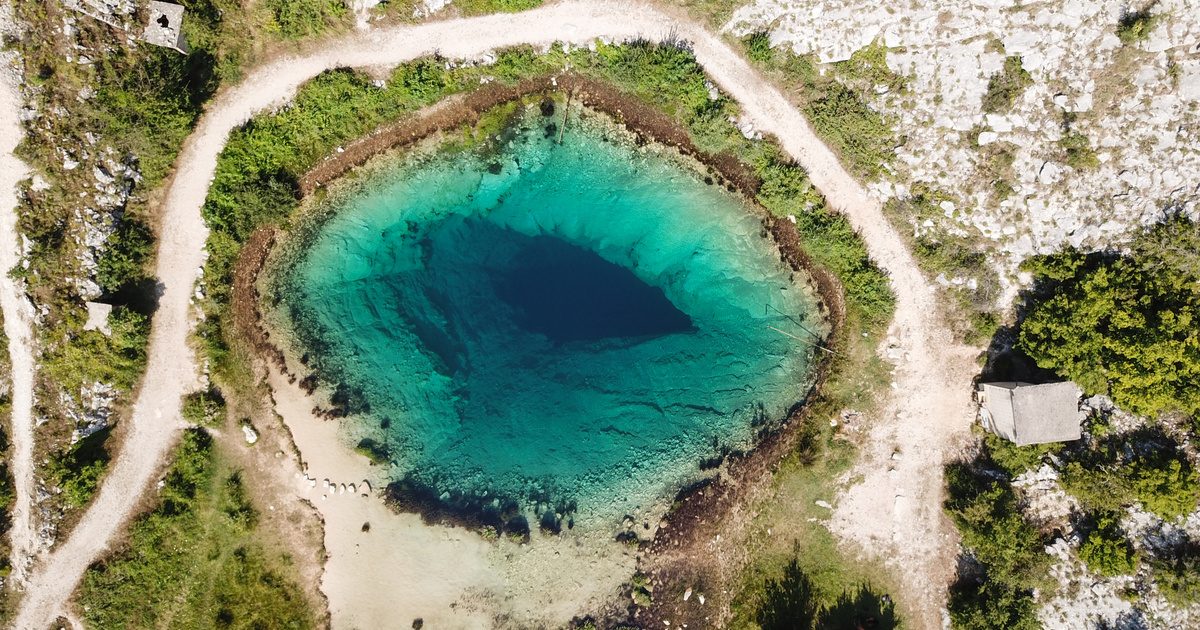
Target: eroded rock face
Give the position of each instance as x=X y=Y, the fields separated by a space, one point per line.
x=1137 y=104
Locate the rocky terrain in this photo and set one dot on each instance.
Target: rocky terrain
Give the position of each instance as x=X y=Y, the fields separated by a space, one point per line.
x=1135 y=99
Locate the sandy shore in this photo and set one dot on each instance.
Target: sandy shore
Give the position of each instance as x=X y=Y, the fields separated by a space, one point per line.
x=450 y=577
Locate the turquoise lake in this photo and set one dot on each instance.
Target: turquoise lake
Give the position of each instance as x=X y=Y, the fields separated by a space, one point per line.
x=548 y=324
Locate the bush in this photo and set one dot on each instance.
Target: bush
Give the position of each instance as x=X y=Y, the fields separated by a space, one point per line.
x=758 y=47
x=1008 y=550
x=1125 y=326
x=77 y=471
x=1178 y=577
x=1006 y=86
x=1136 y=26
x=206 y=408
x=988 y=605
x=1105 y=548
x=118 y=358
x=1166 y=484
x=1079 y=153
x=294 y=19
x=1158 y=475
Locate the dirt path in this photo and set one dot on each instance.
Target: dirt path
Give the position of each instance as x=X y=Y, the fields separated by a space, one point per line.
x=930 y=369
x=18 y=315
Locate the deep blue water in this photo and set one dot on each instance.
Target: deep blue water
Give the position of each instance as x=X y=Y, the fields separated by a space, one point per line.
x=587 y=321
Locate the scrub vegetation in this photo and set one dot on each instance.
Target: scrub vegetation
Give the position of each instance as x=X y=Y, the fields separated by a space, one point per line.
x=1123 y=325
x=107 y=118
x=1115 y=324
x=131 y=107
x=1006 y=86
x=971 y=282
x=194 y=561
x=6 y=482
x=833 y=101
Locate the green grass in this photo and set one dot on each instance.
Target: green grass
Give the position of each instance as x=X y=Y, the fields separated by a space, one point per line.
x=482 y=7
x=194 y=560
x=1125 y=325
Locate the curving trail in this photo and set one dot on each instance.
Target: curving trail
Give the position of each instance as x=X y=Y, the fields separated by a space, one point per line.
x=933 y=379
x=18 y=318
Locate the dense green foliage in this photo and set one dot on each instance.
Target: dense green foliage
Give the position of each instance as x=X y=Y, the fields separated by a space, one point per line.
x=204 y=408
x=117 y=358
x=1179 y=577
x=1126 y=326
x=191 y=562
x=1158 y=475
x=1007 y=548
x=77 y=471
x=1105 y=548
x=1006 y=86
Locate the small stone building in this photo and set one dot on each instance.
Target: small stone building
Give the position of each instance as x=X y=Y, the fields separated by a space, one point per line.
x=165 y=27
x=1031 y=414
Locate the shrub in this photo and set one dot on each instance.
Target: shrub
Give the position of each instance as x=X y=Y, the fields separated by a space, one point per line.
x=1166 y=484
x=1006 y=86
x=1079 y=153
x=1105 y=548
x=758 y=46
x=1178 y=577
x=992 y=527
x=206 y=408
x=77 y=471
x=990 y=605
x=1136 y=26
x=91 y=356
x=1125 y=326
x=1014 y=459
x=293 y=19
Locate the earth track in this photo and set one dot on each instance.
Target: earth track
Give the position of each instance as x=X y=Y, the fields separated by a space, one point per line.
x=18 y=317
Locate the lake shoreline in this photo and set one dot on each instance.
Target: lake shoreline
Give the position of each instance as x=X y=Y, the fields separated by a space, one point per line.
x=739 y=471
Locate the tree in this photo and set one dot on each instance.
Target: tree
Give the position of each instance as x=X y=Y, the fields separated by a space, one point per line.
x=1126 y=326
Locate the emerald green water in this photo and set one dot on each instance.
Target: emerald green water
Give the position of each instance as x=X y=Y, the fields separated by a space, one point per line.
x=579 y=322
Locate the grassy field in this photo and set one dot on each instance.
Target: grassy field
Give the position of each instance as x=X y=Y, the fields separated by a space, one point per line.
x=195 y=560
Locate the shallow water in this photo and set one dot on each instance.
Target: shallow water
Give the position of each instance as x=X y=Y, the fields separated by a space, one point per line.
x=579 y=322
